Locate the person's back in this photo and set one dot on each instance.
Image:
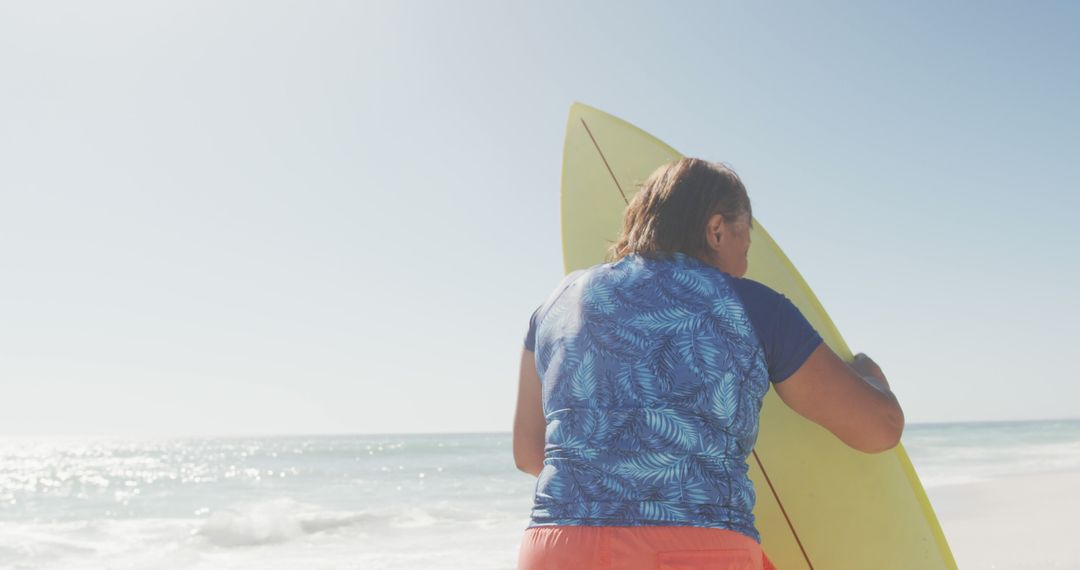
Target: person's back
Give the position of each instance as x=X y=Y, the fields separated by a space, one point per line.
x=641 y=383
x=653 y=379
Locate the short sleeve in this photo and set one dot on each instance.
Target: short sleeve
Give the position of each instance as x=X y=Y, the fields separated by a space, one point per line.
x=787 y=338
x=534 y=322
x=530 y=337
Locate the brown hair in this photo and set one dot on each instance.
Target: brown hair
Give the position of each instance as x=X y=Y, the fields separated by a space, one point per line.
x=670 y=212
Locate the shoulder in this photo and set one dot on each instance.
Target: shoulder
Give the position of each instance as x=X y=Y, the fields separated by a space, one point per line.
x=785 y=334
x=570 y=280
x=756 y=294
x=765 y=305
x=538 y=315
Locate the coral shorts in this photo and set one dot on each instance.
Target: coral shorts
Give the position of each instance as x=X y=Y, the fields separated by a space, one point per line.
x=639 y=548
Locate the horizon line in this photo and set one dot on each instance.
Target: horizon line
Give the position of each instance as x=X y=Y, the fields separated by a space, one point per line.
x=433 y=433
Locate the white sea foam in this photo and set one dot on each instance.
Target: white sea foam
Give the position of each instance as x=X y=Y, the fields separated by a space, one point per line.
x=371 y=502
x=953 y=454
x=263 y=523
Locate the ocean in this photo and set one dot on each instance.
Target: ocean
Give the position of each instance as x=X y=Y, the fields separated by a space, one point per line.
x=368 y=502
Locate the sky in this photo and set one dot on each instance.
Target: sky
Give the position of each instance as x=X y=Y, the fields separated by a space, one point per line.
x=240 y=218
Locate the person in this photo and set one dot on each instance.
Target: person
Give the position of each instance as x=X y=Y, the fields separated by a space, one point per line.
x=642 y=380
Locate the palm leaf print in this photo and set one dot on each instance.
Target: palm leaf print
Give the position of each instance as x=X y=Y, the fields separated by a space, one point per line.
x=701 y=353
x=743 y=497
x=631 y=338
x=624 y=433
x=688 y=393
x=711 y=469
x=666 y=360
x=603 y=484
x=661 y=492
x=625 y=389
x=671 y=293
x=722 y=328
x=615 y=342
x=592 y=511
x=639 y=381
x=672 y=427
x=591 y=428
x=657 y=467
x=662 y=511
x=696 y=491
x=725 y=397
x=583 y=381
x=718 y=513
x=699 y=285
x=651 y=376
x=600 y=297
x=545 y=353
x=670 y=320
x=646 y=295
x=729 y=307
x=565 y=431
x=554 y=486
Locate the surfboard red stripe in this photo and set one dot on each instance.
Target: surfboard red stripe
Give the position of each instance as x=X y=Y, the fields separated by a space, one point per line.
x=782 y=509
x=603 y=158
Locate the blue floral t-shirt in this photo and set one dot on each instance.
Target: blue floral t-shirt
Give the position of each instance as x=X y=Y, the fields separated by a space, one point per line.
x=653 y=371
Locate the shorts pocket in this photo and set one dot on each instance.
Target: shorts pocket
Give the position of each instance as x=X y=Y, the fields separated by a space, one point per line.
x=735 y=559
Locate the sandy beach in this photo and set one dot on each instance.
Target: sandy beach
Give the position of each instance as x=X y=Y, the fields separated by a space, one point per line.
x=1012 y=523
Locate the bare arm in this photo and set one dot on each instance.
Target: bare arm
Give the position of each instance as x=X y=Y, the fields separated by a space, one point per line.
x=851 y=401
x=529 y=421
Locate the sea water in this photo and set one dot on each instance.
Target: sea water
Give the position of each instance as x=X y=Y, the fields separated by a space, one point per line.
x=360 y=501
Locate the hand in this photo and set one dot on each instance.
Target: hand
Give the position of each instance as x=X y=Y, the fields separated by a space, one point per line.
x=866 y=367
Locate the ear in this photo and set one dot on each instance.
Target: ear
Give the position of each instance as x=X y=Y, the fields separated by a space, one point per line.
x=715 y=230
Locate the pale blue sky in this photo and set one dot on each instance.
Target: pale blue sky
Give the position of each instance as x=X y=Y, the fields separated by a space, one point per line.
x=305 y=217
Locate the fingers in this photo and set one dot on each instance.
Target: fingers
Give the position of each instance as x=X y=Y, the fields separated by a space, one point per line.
x=866 y=366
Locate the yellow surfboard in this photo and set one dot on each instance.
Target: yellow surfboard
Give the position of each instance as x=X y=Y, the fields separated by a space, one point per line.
x=820 y=504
